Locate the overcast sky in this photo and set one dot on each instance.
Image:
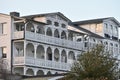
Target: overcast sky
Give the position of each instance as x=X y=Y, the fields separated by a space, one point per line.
x=74 y=9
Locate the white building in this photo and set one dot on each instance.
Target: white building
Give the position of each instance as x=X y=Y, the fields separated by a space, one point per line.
x=50 y=43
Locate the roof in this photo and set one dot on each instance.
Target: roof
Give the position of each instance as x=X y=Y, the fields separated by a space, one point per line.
x=99 y=20
x=38 y=76
x=87 y=31
x=4 y=14
x=40 y=15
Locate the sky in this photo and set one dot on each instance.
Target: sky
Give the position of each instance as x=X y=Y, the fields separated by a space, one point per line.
x=76 y=10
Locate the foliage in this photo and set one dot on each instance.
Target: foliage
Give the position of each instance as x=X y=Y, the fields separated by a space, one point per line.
x=96 y=64
x=3 y=70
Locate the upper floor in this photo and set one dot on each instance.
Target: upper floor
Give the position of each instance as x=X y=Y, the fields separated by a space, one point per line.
x=105 y=27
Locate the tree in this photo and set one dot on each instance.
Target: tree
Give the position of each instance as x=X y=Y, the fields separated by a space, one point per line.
x=3 y=69
x=5 y=74
x=96 y=64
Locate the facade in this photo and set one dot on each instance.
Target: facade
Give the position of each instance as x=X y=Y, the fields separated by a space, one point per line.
x=49 y=43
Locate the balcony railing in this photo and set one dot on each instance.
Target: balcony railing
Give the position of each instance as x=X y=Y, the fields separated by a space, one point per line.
x=53 y=40
x=18 y=60
x=48 y=39
x=18 y=35
x=42 y=63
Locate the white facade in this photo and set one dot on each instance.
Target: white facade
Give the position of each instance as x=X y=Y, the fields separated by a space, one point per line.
x=47 y=43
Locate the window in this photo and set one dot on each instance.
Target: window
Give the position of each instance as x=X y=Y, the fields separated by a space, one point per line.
x=49 y=22
x=63 y=25
x=94 y=40
x=4 y=53
x=19 y=27
x=86 y=44
x=39 y=30
x=106 y=43
x=30 y=27
x=107 y=35
x=111 y=44
x=116 y=27
x=56 y=24
x=2 y=28
x=111 y=27
x=79 y=39
x=106 y=25
x=116 y=45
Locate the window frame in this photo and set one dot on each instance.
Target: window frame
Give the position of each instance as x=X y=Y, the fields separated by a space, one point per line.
x=4 y=53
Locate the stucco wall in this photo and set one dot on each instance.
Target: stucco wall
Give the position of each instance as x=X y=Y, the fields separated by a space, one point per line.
x=5 y=39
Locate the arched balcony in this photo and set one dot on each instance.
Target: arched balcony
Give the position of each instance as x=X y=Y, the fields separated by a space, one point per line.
x=56 y=33
x=49 y=73
x=63 y=35
x=30 y=27
x=30 y=50
x=49 y=32
x=40 y=72
x=40 y=52
x=49 y=54
x=18 y=49
x=63 y=56
x=30 y=72
x=56 y=55
x=71 y=57
x=18 y=70
x=40 y=30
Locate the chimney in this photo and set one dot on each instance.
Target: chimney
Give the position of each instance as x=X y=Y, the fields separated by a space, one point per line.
x=17 y=14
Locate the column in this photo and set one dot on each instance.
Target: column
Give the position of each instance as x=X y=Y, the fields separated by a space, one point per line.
x=52 y=53
x=60 y=55
x=67 y=55
x=24 y=71
x=67 y=34
x=35 y=48
x=45 y=47
x=25 y=49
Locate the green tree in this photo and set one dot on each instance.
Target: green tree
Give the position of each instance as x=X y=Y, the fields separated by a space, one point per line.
x=95 y=64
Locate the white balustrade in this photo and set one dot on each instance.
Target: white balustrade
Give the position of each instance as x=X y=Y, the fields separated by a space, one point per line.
x=18 y=35
x=42 y=63
x=53 y=40
x=18 y=60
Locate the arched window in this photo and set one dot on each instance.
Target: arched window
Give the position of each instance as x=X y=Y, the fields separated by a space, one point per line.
x=49 y=53
x=56 y=24
x=40 y=52
x=30 y=50
x=56 y=33
x=111 y=27
x=56 y=54
x=30 y=27
x=49 y=73
x=63 y=35
x=30 y=72
x=94 y=40
x=49 y=32
x=116 y=45
x=106 y=43
x=64 y=56
x=71 y=55
x=63 y=25
x=106 y=26
x=40 y=30
x=40 y=72
x=49 y=22
x=18 y=70
x=70 y=36
x=111 y=44
x=79 y=39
